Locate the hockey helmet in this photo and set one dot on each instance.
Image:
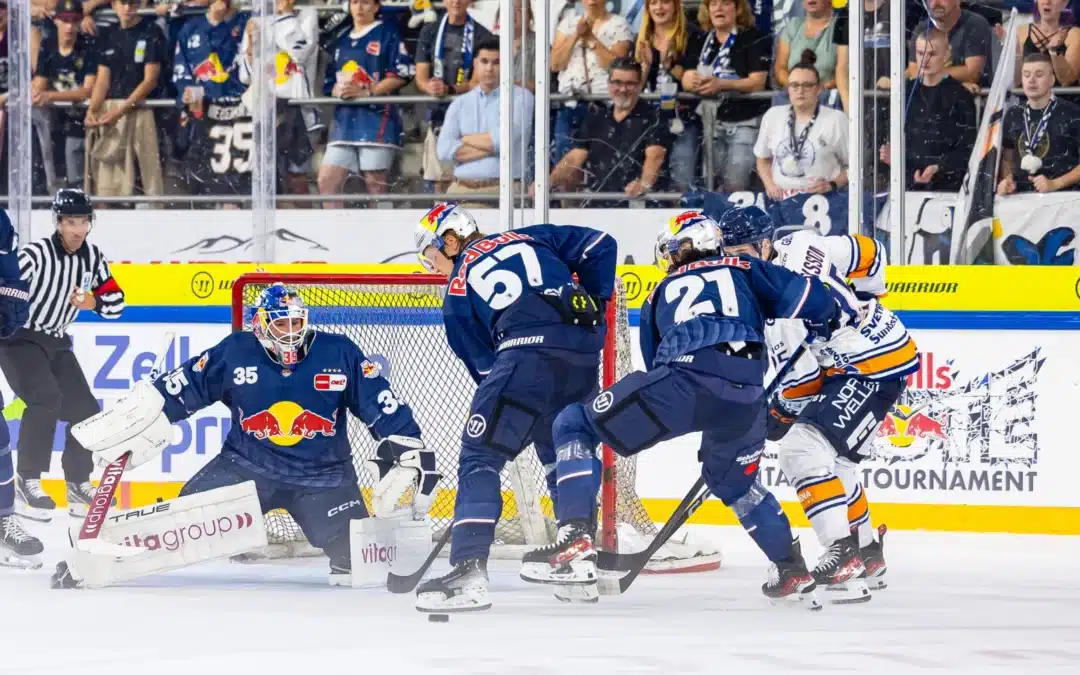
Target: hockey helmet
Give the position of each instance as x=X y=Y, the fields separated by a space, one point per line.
x=691 y=229
x=750 y=225
x=273 y=320
x=445 y=217
x=70 y=202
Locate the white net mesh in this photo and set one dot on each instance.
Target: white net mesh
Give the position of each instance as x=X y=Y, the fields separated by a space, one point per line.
x=398 y=323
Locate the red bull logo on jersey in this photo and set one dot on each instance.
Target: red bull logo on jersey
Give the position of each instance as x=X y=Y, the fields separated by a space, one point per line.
x=211 y=70
x=284 y=68
x=359 y=74
x=287 y=423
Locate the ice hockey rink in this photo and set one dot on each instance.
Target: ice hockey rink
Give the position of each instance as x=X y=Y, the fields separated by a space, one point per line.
x=956 y=603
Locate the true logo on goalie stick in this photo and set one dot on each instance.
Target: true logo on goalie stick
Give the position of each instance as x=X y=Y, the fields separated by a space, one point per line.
x=603 y=402
x=328 y=382
x=476 y=426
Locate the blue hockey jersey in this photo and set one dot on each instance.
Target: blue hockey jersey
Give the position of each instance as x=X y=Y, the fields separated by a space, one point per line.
x=725 y=299
x=206 y=56
x=368 y=58
x=505 y=289
x=290 y=428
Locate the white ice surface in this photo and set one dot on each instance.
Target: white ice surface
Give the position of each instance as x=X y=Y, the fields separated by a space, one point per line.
x=956 y=604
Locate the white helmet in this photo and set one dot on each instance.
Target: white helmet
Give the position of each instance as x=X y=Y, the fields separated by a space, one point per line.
x=689 y=227
x=445 y=217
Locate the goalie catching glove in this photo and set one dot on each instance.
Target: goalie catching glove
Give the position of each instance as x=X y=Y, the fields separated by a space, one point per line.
x=135 y=424
x=401 y=463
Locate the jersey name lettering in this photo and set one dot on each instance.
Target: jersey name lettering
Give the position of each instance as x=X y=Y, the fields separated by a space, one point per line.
x=728 y=261
x=458 y=285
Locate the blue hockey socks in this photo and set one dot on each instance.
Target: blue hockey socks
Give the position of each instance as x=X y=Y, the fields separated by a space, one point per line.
x=765 y=522
x=478 y=506
x=577 y=468
x=7 y=483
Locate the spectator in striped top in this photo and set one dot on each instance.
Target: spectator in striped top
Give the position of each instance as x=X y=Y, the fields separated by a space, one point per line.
x=66 y=274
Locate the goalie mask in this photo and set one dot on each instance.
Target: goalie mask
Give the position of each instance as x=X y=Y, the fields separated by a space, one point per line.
x=431 y=232
x=688 y=231
x=279 y=319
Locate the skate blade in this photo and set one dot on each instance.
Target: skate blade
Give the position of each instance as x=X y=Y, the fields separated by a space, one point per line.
x=437 y=603
x=578 y=595
x=30 y=513
x=579 y=573
x=20 y=562
x=849 y=593
x=877 y=584
x=78 y=511
x=341 y=580
x=803 y=601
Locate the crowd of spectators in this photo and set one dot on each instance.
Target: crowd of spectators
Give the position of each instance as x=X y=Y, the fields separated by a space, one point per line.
x=771 y=98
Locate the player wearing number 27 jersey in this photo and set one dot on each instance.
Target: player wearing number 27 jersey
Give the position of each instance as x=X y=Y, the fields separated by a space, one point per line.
x=530 y=335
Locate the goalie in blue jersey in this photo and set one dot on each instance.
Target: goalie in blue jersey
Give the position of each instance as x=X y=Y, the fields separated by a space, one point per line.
x=289 y=389
x=530 y=334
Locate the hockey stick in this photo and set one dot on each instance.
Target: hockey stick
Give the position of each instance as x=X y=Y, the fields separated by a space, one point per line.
x=89 y=536
x=397 y=583
x=634 y=563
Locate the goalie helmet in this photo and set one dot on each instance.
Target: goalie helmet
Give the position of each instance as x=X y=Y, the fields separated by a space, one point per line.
x=279 y=319
x=689 y=229
x=750 y=225
x=445 y=217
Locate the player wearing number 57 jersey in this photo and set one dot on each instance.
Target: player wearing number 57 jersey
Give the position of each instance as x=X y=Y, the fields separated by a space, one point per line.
x=702 y=339
x=833 y=399
x=530 y=335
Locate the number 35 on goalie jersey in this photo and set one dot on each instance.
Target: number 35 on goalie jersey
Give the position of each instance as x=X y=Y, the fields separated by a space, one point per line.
x=496 y=297
x=290 y=427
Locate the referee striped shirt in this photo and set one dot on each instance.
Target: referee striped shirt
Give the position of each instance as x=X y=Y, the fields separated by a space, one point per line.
x=54 y=274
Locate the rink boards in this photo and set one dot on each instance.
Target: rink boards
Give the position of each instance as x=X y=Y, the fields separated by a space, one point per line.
x=982 y=441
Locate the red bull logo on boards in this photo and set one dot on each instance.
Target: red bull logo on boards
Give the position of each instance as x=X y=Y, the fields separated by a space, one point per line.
x=904 y=426
x=287 y=423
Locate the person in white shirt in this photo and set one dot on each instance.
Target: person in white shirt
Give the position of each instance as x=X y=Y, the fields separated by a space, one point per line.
x=802 y=147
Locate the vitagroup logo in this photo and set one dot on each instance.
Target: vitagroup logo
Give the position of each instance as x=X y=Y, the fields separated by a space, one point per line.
x=176 y=538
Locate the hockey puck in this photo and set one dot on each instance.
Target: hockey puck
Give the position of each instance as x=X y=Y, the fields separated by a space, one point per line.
x=439 y=618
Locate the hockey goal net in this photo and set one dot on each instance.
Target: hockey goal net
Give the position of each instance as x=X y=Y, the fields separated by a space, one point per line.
x=396 y=320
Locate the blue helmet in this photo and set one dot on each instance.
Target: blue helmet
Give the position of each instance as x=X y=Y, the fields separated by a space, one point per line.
x=748 y=225
x=282 y=340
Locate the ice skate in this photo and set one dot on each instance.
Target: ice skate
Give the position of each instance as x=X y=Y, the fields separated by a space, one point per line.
x=31 y=501
x=340 y=574
x=570 y=561
x=79 y=497
x=873 y=557
x=842 y=574
x=18 y=548
x=463 y=589
x=790 y=582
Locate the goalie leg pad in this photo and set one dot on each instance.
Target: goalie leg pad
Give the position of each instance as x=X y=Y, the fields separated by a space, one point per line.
x=478 y=505
x=324 y=514
x=170 y=535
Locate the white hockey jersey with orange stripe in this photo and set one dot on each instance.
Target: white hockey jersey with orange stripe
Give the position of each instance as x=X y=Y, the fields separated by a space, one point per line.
x=878 y=348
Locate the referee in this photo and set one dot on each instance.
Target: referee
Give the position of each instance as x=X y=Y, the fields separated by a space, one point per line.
x=66 y=274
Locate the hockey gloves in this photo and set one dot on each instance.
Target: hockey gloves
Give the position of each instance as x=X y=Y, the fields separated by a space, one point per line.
x=402 y=463
x=14 y=307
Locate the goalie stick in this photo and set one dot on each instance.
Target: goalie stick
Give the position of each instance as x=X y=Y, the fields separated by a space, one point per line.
x=397 y=583
x=89 y=536
x=634 y=563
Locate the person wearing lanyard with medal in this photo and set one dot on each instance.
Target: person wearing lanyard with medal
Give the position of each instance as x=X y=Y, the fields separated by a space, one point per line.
x=444 y=67
x=802 y=147
x=1044 y=132
x=733 y=56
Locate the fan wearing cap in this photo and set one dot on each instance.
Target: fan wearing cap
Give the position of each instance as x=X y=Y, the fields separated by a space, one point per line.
x=66 y=72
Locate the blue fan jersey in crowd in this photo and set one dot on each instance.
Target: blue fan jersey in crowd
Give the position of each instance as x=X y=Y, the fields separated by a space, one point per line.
x=505 y=290
x=724 y=299
x=368 y=58
x=290 y=426
x=206 y=56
